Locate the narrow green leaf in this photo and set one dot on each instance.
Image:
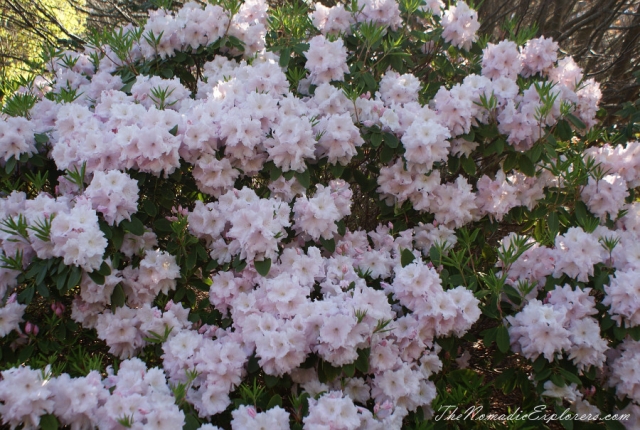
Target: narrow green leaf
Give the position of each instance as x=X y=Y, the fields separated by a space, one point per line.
x=577 y=122
x=263 y=267
x=10 y=165
x=75 y=274
x=563 y=130
x=118 y=297
x=376 y=139
x=502 y=339
x=553 y=223
x=61 y=280
x=569 y=376
x=581 y=212
x=285 y=56
x=192 y=258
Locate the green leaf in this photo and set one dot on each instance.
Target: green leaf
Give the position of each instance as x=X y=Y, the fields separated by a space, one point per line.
x=581 y=212
x=75 y=274
x=577 y=122
x=539 y=364
x=61 y=279
x=96 y=277
x=563 y=130
x=386 y=154
x=134 y=226
x=502 y=339
x=328 y=372
x=434 y=254
x=337 y=170
x=192 y=258
x=376 y=139
x=569 y=376
x=174 y=130
x=468 y=165
x=191 y=422
x=26 y=295
x=406 y=257
x=271 y=381
x=362 y=362
x=104 y=270
x=526 y=166
x=510 y=162
x=553 y=223
x=543 y=375
x=161 y=224
x=489 y=335
x=285 y=56
x=150 y=208
x=391 y=140
x=42 y=290
x=328 y=244
x=276 y=400
x=274 y=171
x=304 y=178
x=166 y=73
x=117 y=237
x=118 y=297
x=557 y=380
x=41 y=138
x=349 y=369
x=49 y=422
x=263 y=267
x=10 y=165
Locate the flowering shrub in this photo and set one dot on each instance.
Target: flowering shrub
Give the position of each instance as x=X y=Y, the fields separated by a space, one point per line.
x=313 y=219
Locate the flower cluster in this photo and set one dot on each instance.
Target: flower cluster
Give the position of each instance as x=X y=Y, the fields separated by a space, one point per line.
x=561 y=324
x=136 y=395
x=16 y=137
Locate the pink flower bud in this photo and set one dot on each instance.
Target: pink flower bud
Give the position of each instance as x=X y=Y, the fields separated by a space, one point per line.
x=252 y=412
x=28 y=327
x=35 y=330
x=12 y=298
